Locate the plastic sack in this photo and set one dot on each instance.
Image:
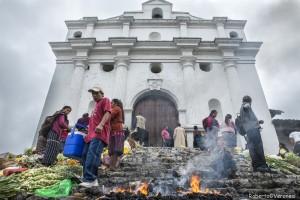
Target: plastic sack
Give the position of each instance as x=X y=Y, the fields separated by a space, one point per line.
x=60 y=189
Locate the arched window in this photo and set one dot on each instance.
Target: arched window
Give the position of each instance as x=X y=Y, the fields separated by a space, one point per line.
x=77 y=34
x=233 y=34
x=156 y=68
x=214 y=104
x=206 y=67
x=157 y=13
x=107 y=67
x=154 y=36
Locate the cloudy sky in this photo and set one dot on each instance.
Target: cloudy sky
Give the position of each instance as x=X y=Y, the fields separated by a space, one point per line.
x=27 y=62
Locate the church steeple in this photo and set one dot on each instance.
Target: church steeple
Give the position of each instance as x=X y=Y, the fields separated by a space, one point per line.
x=157 y=2
x=157 y=9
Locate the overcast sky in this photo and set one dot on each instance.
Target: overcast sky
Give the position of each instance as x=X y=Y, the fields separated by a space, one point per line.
x=27 y=62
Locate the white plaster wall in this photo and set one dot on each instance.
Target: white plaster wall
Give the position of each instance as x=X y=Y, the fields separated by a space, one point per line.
x=206 y=86
x=137 y=82
x=95 y=76
x=251 y=86
x=58 y=92
x=142 y=33
x=103 y=33
x=208 y=34
x=209 y=85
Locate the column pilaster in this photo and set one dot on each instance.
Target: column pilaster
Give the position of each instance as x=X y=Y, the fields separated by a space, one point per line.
x=121 y=65
x=188 y=68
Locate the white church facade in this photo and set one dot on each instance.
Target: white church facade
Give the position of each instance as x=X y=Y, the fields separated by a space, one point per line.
x=170 y=66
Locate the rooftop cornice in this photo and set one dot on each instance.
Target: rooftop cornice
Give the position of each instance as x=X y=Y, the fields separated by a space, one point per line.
x=90 y=19
x=235 y=24
x=249 y=48
x=82 y=23
x=122 y=41
x=220 y=19
x=241 y=48
x=82 y=43
x=181 y=19
x=228 y=43
x=243 y=45
x=129 y=19
x=187 y=42
x=60 y=45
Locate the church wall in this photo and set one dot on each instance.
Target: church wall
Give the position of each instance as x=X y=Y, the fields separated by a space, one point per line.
x=250 y=85
x=57 y=95
x=207 y=86
x=137 y=81
x=167 y=33
x=208 y=34
x=95 y=76
x=103 y=33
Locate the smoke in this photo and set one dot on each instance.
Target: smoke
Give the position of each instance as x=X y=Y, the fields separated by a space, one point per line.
x=216 y=162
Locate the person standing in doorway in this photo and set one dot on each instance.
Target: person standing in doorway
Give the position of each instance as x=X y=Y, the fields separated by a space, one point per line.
x=141 y=128
x=97 y=137
x=179 y=136
x=251 y=126
x=166 y=137
x=117 y=136
x=197 y=137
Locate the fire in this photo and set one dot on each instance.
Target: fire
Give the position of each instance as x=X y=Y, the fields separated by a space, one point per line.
x=120 y=190
x=195 y=184
x=195 y=187
x=143 y=189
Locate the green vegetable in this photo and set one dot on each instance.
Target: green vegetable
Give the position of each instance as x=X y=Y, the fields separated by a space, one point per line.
x=292 y=159
x=284 y=166
x=28 y=151
x=36 y=178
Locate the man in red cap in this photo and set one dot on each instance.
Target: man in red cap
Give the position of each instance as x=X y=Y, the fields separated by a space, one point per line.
x=97 y=137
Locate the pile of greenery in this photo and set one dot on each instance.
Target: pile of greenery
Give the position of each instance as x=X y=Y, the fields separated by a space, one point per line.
x=36 y=178
x=288 y=165
x=292 y=159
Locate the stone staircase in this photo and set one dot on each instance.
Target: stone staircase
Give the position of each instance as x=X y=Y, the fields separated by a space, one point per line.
x=169 y=168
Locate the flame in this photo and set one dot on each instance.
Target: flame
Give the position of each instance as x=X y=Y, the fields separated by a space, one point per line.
x=195 y=184
x=143 y=189
x=120 y=190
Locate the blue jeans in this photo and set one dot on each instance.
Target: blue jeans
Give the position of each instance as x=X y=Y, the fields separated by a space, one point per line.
x=91 y=159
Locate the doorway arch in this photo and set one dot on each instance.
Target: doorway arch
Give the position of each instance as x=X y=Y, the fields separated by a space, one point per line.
x=160 y=110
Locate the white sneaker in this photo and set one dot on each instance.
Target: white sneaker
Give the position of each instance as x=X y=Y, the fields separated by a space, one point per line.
x=90 y=184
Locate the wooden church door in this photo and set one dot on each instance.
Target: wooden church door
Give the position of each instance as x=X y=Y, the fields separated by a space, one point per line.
x=159 y=111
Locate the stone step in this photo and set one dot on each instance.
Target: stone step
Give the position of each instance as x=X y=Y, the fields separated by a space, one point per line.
x=170 y=167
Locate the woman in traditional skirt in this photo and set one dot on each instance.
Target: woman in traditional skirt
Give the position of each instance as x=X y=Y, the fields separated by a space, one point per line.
x=53 y=140
x=117 y=137
x=228 y=132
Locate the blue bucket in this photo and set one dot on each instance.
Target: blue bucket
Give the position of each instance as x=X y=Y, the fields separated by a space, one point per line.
x=74 y=145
